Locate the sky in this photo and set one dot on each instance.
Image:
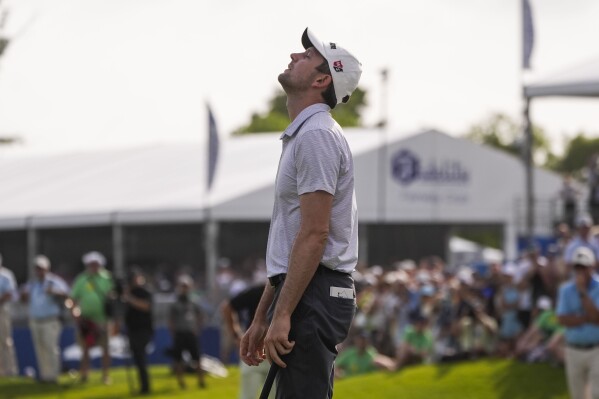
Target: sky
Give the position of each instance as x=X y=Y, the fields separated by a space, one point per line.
x=85 y=74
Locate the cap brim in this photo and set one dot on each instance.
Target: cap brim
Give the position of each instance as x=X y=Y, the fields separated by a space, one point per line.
x=310 y=40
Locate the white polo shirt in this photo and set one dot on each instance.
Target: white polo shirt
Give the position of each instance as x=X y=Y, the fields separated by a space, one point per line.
x=315 y=157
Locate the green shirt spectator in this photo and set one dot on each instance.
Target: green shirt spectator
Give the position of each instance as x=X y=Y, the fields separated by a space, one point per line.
x=547 y=322
x=90 y=291
x=421 y=341
x=353 y=362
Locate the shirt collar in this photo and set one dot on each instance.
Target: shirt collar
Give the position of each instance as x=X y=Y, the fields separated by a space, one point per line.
x=303 y=116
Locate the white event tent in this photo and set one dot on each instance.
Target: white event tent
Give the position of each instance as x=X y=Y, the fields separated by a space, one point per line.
x=424 y=179
x=578 y=81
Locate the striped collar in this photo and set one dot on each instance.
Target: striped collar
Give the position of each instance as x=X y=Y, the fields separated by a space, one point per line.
x=303 y=116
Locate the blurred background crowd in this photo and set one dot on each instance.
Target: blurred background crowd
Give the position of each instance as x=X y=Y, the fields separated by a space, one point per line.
x=409 y=311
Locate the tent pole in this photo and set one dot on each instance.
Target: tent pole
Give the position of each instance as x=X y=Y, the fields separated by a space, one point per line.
x=32 y=246
x=211 y=228
x=528 y=163
x=118 y=249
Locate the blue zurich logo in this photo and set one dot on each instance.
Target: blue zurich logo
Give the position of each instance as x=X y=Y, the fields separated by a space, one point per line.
x=405 y=166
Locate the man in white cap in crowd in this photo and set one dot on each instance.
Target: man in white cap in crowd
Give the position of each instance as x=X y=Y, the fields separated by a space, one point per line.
x=578 y=311
x=313 y=241
x=90 y=293
x=46 y=295
x=8 y=291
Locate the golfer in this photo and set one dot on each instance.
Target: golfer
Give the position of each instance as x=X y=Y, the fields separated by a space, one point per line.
x=313 y=241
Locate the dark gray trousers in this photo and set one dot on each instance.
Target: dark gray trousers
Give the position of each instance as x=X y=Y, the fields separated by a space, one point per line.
x=319 y=323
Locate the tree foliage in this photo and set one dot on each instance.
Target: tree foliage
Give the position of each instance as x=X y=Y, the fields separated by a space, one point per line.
x=8 y=140
x=276 y=119
x=577 y=154
x=503 y=133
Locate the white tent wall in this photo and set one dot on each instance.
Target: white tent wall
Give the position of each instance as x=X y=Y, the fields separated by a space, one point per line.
x=457 y=181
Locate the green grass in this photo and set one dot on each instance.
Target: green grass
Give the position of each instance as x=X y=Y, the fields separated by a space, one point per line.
x=485 y=379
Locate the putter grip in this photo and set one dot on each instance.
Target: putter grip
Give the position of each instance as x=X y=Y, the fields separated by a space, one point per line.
x=270 y=379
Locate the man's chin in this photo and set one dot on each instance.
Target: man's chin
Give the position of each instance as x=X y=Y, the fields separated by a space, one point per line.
x=283 y=80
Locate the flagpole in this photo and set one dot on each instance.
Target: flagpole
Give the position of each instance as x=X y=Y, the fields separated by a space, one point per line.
x=383 y=152
x=528 y=142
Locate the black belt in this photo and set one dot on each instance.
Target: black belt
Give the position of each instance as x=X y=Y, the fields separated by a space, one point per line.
x=584 y=346
x=279 y=278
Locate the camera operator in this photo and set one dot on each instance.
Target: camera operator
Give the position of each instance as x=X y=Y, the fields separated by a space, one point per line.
x=138 y=321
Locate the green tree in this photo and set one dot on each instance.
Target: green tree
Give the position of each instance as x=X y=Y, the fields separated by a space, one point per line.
x=577 y=154
x=10 y=140
x=276 y=118
x=502 y=132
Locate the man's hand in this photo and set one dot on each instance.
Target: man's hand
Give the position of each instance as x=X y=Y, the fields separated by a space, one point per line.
x=277 y=341
x=581 y=283
x=251 y=348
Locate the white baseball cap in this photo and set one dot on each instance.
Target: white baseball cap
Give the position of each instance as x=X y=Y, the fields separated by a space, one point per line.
x=94 y=257
x=185 y=279
x=583 y=256
x=345 y=68
x=584 y=221
x=42 y=262
x=544 y=303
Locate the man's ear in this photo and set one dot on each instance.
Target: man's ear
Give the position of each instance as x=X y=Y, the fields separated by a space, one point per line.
x=322 y=81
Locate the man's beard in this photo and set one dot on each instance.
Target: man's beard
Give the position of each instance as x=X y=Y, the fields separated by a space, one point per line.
x=285 y=81
x=294 y=86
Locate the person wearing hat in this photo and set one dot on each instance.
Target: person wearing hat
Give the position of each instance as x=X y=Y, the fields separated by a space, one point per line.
x=90 y=293
x=46 y=294
x=583 y=238
x=8 y=290
x=313 y=241
x=185 y=326
x=578 y=311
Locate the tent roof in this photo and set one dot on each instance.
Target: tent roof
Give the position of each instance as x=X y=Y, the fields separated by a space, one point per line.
x=579 y=81
x=142 y=185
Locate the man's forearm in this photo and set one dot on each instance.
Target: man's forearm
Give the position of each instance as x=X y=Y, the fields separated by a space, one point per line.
x=589 y=308
x=265 y=301
x=572 y=320
x=304 y=259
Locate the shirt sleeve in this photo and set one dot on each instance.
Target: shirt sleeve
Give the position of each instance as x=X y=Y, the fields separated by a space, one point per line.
x=3 y=285
x=318 y=162
x=60 y=285
x=241 y=300
x=562 y=306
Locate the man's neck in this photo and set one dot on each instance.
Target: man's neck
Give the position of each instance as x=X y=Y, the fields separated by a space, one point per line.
x=295 y=105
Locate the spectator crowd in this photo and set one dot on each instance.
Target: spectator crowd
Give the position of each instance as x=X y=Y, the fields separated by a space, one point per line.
x=412 y=311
